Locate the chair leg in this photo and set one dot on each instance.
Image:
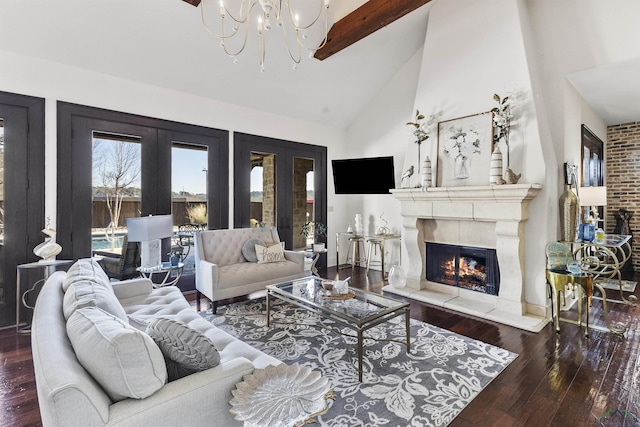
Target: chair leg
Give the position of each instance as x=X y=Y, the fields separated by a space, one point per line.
x=214 y=307
x=198 y=295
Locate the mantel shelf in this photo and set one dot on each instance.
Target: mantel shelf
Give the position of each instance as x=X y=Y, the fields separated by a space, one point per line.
x=484 y=193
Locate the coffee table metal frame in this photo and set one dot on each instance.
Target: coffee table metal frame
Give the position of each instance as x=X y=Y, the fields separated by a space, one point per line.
x=308 y=294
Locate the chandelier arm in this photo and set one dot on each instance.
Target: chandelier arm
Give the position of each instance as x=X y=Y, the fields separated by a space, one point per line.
x=246 y=17
x=299 y=41
x=298 y=44
x=213 y=32
x=244 y=43
x=305 y=27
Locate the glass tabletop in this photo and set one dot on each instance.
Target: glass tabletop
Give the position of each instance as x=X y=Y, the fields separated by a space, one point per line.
x=360 y=308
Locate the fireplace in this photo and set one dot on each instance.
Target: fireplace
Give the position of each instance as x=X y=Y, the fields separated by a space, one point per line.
x=463 y=266
x=493 y=217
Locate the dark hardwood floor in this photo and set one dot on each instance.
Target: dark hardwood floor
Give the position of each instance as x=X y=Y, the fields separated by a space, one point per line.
x=557 y=380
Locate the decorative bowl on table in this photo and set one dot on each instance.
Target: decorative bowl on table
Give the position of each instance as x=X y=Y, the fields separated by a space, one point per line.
x=279 y=396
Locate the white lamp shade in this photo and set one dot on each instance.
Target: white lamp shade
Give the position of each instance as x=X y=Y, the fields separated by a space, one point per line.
x=148 y=228
x=593 y=196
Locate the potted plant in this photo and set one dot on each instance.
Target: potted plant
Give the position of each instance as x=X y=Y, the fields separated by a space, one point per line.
x=315 y=230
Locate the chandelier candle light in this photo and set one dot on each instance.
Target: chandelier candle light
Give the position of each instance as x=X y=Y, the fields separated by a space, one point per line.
x=235 y=22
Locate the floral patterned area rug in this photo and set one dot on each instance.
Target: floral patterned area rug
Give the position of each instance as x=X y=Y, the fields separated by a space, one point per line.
x=429 y=387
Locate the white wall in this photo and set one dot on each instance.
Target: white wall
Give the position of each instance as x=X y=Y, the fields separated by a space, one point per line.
x=380 y=130
x=475 y=49
x=55 y=82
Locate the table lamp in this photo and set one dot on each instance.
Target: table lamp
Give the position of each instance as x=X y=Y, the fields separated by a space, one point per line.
x=149 y=230
x=594 y=197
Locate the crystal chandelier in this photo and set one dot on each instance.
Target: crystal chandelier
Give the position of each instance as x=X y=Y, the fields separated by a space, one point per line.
x=235 y=19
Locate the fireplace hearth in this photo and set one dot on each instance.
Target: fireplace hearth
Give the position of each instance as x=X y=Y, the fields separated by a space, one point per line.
x=463 y=266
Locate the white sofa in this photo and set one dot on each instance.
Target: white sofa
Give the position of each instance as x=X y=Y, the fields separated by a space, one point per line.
x=222 y=271
x=70 y=396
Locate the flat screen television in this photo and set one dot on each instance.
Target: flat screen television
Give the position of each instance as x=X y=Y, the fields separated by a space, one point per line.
x=371 y=175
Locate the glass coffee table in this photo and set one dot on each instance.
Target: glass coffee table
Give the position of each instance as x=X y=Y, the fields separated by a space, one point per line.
x=359 y=310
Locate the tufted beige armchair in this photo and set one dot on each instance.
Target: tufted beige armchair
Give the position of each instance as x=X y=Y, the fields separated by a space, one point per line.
x=222 y=271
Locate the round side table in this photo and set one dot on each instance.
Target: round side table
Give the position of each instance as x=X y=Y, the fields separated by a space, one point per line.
x=165 y=268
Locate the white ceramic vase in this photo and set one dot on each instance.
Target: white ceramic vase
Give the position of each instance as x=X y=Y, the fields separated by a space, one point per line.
x=426 y=173
x=495 y=167
x=359 y=229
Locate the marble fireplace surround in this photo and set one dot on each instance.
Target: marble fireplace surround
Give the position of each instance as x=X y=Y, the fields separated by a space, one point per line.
x=483 y=216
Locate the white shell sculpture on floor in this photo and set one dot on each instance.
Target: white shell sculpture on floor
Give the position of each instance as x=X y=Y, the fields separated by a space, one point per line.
x=49 y=248
x=283 y=395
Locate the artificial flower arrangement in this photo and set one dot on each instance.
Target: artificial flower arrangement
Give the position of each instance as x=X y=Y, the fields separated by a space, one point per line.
x=502 y=121
x=462 y=143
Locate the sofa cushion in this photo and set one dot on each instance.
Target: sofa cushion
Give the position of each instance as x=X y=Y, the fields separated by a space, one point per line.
x=185 y=350
x=124 y=361
x=249 y=249
x=269 y=254
x=85 y=269
x=87 y=293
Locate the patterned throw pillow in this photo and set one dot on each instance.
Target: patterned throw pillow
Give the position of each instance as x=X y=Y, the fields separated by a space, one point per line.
x=249 y=249
x=269 y=254
x=185 y=350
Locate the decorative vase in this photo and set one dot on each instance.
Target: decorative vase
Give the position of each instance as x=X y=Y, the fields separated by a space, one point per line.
x=426 y=173
x=495 y=167
x=358 y=225
x=397 y=277
x=461 y=168
x=568 y=212
x=175 y=259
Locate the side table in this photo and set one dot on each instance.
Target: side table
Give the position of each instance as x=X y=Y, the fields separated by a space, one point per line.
x=165 y=268
x=22 y=298
x=605 y=260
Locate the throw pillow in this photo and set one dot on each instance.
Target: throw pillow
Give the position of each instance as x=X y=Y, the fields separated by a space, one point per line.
x=249 y=249
x=271 y=254
x=124 y=361
x=185 y=350
x=85 y=269
x=269 y=244
x=87 y=293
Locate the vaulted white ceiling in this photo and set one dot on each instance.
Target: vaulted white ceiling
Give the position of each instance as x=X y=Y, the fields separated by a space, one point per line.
x=163 y=43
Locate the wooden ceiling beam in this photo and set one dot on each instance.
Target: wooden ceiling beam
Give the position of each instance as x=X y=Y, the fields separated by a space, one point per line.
x=193 y=2
x=365 y=20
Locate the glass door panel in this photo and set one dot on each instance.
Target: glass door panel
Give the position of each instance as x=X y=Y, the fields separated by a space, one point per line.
x=263 y=190
x=189 y=195
x=303 y=197
x=116 y=189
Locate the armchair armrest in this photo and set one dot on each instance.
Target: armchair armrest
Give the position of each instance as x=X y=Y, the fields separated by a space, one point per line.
x=206 y=277
x=132 y=288
x=295 y=256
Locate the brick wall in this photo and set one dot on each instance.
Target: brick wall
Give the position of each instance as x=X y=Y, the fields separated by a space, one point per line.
x=623 y=179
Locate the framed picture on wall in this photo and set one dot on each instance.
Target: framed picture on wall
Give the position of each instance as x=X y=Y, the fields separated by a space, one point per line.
x=464 y=151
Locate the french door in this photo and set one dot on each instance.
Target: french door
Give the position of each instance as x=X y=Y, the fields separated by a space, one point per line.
x=279 y=184
x=114 y=165
x=21 y=191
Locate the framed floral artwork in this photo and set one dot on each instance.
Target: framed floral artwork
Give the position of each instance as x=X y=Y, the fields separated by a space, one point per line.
x=464 y=151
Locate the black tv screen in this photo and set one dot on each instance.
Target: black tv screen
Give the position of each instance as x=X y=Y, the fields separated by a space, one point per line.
x=372 y=175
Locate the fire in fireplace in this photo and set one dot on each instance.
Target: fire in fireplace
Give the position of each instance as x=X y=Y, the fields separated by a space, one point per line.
x=463 y=266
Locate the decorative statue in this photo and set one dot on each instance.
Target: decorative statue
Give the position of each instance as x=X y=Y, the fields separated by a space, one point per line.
x=48 y=249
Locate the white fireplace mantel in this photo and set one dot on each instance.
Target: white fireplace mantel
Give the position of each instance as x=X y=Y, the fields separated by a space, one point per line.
x=483 y=216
